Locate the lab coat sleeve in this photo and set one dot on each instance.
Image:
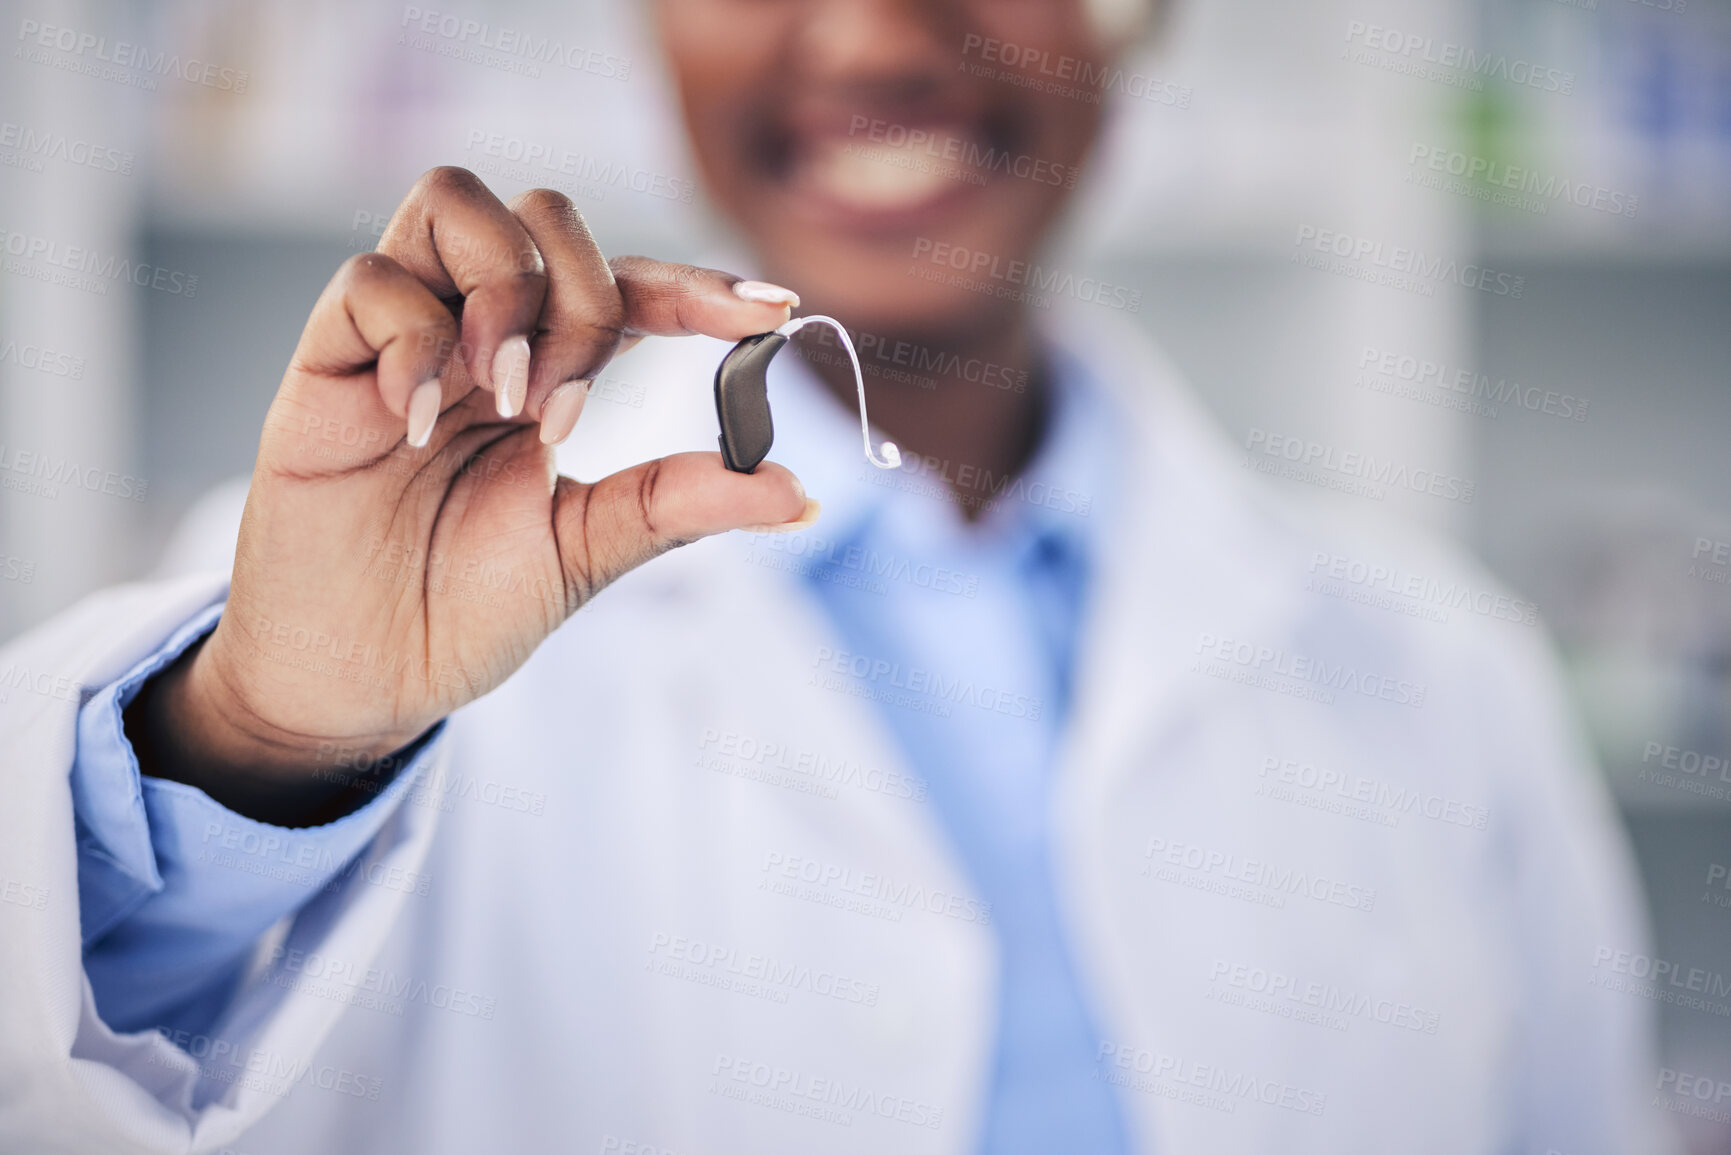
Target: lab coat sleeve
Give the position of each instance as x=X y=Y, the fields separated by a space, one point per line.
x=1586 y=1055
x=175 y=889
x=72 y=1082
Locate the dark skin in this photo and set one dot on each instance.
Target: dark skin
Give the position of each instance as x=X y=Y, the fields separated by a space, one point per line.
x=772 y=89
x=452 y=359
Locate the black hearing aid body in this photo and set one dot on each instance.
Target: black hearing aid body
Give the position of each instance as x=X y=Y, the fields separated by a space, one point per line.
x=742 y=401
x=742 y=397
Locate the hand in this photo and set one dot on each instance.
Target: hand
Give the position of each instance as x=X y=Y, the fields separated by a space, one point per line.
x=407 y=542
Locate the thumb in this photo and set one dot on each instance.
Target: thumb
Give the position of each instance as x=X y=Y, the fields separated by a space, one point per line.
x=616 y=524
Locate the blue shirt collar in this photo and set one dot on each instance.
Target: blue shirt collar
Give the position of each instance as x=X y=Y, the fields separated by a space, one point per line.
x=1066 y=491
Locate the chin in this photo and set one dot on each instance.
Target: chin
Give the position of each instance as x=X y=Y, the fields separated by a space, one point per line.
x=879 y=289
x=874 y=270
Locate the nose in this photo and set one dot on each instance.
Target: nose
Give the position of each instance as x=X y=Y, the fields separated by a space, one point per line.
x=879 y=43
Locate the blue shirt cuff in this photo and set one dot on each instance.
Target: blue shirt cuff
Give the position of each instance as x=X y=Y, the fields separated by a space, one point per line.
x=173 y=887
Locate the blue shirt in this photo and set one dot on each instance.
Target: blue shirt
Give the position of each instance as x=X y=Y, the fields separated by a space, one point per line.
x=174 y=889
x=989 y=615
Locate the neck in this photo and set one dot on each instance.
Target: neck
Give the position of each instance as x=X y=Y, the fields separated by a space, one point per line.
x=973 y=404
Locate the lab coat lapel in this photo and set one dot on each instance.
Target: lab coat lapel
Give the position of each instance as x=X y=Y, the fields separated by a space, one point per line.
x=1187 y=555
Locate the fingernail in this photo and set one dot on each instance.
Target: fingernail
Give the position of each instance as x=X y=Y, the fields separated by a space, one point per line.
x=807 y=517
x=423 y=411
x=559 y=413
x=764 y=293
x=511 y=376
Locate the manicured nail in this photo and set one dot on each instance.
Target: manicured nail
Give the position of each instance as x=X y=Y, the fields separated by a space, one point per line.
x=764 y=293
x=560 y=411
x=423 y=412
x=511 y=376
x=807 y=517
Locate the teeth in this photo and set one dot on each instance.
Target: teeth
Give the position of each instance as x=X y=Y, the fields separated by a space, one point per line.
x=876 y=177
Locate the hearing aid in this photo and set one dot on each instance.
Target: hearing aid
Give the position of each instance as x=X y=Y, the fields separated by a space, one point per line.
x=742 y=397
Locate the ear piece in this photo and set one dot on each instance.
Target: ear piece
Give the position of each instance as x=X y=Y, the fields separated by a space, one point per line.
x=742 y=401
x=742 y=398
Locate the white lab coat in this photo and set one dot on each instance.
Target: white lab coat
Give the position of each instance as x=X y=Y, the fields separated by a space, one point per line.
x=1456 y=1015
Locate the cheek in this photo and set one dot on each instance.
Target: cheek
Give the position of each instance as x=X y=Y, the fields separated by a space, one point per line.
x=719 y=46
x=720 y=144
x=1067 y=129
x=721 y=69
x=714 y=119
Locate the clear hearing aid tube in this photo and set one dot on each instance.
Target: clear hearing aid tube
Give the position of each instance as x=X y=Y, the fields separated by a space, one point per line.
x=892 y=457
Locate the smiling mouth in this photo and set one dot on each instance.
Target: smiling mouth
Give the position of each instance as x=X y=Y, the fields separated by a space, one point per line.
x=874 y=178
x=872 y=170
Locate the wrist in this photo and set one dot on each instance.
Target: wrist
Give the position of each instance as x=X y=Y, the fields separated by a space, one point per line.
x=195 y=722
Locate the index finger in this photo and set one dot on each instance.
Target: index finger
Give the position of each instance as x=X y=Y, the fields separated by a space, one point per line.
x=663 y=299
x=463 y=243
